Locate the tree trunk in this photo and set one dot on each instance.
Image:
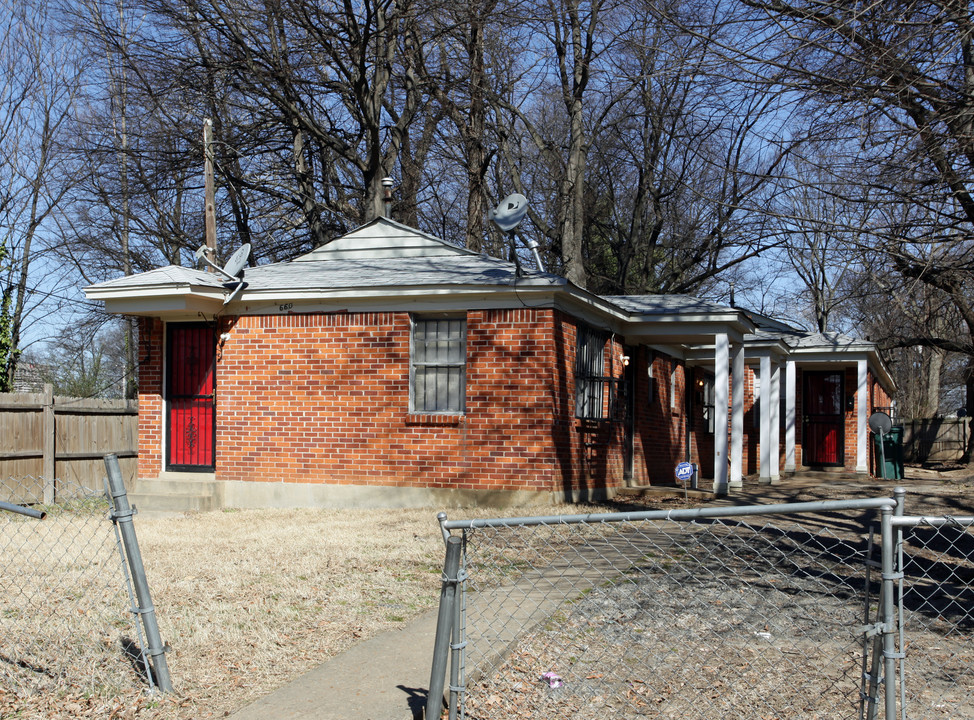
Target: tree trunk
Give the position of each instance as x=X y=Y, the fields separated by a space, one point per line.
x=969 y=386
x=930 y=406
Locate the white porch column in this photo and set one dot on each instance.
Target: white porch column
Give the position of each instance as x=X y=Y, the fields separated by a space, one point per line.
x=790 y=407
x=737 y=419
x=721 y=378
x=774 y=446
x=862 y=434
x=764 y=472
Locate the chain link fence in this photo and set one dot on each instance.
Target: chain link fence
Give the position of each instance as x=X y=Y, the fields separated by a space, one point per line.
x=936 y=615
x=68 y=610
x=753 y=612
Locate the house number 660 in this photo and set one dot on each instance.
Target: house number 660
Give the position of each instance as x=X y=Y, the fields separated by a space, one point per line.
x=286 y=306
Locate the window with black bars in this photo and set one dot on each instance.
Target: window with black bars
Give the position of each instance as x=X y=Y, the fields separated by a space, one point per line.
x=597 y=396
x=438 y=365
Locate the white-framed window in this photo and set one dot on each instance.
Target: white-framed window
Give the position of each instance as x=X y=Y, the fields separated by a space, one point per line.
x=438 y=364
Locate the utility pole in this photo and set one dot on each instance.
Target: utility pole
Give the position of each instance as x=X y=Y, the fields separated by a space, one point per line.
x=210 y=192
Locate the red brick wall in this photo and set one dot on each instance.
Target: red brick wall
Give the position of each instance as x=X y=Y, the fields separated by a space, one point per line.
x=660 y=418
x=324 y=398
x=851 y=419
x=151 y=441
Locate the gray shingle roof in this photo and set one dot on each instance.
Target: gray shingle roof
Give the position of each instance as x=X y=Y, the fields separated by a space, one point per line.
x=831 y=340
x=380 y=255
x=665 y=304
x=804 y=340
x=165 y=276
x=386 y=272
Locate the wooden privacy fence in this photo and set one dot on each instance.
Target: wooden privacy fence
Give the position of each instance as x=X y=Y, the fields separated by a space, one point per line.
x=43 y=436
x=935 y=439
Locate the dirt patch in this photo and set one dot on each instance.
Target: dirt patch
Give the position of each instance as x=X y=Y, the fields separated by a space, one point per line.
x=758 y=618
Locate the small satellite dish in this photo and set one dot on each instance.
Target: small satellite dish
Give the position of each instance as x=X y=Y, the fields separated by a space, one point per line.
x=880 y=423
x=237 y=261
x=510 y=212
x=234 y=265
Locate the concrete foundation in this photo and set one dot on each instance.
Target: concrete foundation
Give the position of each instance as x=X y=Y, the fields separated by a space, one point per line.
x=188 y=492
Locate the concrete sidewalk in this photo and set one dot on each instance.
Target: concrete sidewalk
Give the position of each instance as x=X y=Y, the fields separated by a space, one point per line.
x=384 y=678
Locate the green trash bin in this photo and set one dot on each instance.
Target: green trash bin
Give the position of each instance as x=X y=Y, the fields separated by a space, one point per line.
x=892 y=448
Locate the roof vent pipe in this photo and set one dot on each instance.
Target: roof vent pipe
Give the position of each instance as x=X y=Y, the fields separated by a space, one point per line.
x=533 y=245
x=732 y=294
x=387 y=196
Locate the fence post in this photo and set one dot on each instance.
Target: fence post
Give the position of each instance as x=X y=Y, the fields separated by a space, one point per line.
x=122 y=515
x=48 y=445
x=888 y=611
x=870 y=664
x=457 y=647
x=444 y=629
x=899 y=494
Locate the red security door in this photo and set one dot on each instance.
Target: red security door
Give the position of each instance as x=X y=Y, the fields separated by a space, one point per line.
x=191 y=395
x=824 y=442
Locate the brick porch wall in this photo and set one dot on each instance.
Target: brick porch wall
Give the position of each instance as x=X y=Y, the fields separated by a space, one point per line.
x=660 y=418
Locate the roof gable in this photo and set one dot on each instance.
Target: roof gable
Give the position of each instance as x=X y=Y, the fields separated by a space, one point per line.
x=383 y=238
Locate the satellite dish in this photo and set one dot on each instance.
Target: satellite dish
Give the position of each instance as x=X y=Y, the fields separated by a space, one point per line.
x=508 y=215
x=233 y=266
x=510 y=212
x=880 y=423
x=237 y=261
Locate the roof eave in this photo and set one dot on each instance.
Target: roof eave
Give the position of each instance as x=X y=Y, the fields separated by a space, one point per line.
x=158 y=301
x=845 y=354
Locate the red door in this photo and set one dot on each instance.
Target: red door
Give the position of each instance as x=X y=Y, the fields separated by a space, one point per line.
x=824 y=442
x=191 y=395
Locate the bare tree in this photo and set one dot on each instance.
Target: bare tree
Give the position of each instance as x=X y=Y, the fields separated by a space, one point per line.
x=682 y=166
x=557 y=111
x=456 y=74
x=826 y=225
x=893 y=83
x=887 y=307
x=41 y=83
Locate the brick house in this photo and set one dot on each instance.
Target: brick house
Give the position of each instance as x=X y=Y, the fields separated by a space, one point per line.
x=390 y=368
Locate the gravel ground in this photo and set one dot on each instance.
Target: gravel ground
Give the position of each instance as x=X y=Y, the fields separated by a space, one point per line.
x=748 y=619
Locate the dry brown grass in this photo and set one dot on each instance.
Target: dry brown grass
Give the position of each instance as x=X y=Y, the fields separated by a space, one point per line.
x=248 y=600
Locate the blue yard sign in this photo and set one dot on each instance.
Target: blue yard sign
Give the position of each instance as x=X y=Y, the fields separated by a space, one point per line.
x=684 y=471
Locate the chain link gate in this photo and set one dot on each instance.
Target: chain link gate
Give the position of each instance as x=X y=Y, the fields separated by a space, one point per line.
x=935 y=615
x=750 y=612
